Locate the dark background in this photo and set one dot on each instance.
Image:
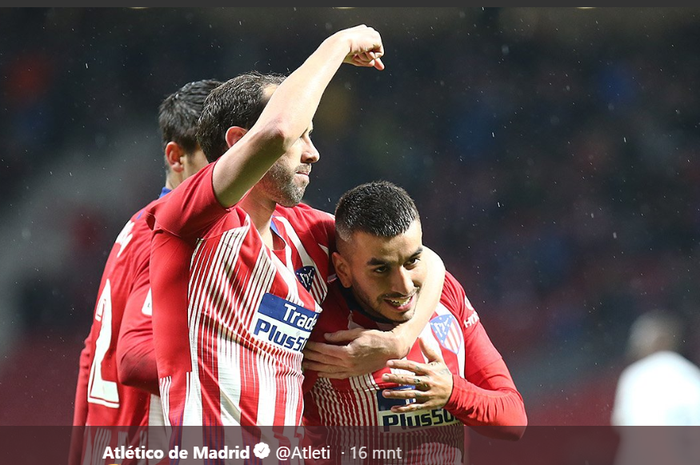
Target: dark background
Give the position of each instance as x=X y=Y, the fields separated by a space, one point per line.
x=552 y=152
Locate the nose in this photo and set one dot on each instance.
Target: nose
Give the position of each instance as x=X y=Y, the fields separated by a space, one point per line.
x=309 y=153
x=402 y=282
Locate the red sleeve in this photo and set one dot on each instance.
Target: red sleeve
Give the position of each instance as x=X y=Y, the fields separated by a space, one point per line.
x=136 y=362
x=80 y=409
x=169 y=277
x=490 y=402
x=487 y=398
x=189 y=208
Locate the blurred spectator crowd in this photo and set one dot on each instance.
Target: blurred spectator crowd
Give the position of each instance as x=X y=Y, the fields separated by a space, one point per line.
x=553 y=155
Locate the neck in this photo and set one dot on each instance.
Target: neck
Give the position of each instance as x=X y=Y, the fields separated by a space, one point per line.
x=172 y=180
x=260 y=211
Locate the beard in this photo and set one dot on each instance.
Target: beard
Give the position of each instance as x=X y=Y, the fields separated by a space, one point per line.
x=282 y=186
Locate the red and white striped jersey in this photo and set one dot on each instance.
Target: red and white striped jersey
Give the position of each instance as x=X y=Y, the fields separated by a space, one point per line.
x=230 y=315
x=101 y=400
x=454 y=329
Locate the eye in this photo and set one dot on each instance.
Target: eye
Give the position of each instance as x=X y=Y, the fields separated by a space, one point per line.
x=412 y=262
x=380 y=270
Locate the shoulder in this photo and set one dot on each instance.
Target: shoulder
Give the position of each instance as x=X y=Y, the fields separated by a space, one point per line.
x=455 y=299
x=309 y=223
x=303 y=212
x=135 y=234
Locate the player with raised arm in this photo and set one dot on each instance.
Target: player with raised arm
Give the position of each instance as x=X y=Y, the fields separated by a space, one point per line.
x=230 y=313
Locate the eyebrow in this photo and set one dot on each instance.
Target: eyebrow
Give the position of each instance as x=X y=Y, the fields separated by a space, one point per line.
x=375 y=261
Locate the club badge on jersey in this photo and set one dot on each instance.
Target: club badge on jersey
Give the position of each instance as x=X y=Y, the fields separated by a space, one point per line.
x=447 y=331
x=306 y=275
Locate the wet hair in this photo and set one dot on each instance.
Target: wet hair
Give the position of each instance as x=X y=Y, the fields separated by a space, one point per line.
x=179 y=113
x=237 y=102
x=379 y=208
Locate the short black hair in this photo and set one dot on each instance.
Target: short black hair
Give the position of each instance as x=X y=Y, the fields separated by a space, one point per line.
x=237 y=102
x=179 y=112
x=379 y=208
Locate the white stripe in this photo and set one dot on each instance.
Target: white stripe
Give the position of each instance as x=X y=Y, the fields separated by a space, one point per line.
x=192 y=414
x=364 y=389
x=209 y=290
x=292 y=401
x=268 y=392
x=165 y=383
x=155 y=411
x=230 y=372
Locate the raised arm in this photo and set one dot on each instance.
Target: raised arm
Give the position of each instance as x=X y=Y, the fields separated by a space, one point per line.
x=288 y=114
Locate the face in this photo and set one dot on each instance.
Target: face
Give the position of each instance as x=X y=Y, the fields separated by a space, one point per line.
x=386 y=274
x=286 y=180
x=193 y=162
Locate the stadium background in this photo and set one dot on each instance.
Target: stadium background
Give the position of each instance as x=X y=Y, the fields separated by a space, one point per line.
x=552 y=153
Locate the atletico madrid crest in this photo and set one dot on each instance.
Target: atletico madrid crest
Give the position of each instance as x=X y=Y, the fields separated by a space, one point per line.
x=447 y=332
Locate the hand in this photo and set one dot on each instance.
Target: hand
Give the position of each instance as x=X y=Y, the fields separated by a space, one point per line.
x=364 y=351
x=366 y=48
x=432 y=382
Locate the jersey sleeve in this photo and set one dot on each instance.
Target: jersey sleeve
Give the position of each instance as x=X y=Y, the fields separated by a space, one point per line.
x=136 y=361
x=486 y=396
x=189 y=208
x=80 y=409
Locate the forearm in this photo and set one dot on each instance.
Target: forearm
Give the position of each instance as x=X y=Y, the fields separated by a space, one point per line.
x=495 y=408
x=293 y=105
x=285 y=118
x=136 y=360
x=137 y=368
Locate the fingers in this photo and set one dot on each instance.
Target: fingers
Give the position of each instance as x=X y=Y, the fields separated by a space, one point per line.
x=344 y=335
x=430 y=353
x=318 y=366
x=366 y=48
x=368 y=60
x=324 y=353
x=420 y=383
x=422 y=399
x=417 y=368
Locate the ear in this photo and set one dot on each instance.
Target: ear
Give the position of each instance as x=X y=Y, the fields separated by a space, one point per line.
x=342 y=269
x=234 y=134
x=173 y=155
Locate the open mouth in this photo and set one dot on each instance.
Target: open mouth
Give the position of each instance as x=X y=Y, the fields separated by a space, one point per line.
x=401 y=304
